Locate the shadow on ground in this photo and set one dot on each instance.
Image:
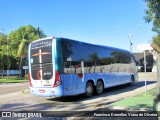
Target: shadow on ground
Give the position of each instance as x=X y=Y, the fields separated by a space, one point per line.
x=107 y=92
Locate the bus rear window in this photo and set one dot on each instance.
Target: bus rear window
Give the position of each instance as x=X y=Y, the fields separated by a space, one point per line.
x=41 y=52
x=41 y=60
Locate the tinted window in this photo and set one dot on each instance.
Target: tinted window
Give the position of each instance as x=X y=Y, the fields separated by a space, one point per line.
x=121 y=57
x=100 y=58
x=41 y=60
x=76 y=51
x=94 y=57
x=43 y=49
x=73 y=53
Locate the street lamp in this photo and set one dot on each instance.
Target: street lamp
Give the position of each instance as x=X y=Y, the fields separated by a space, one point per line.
x=129 y=35
x=130 y=40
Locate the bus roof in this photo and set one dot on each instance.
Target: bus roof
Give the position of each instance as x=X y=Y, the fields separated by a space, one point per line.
x=60 y=38
x=108 y=47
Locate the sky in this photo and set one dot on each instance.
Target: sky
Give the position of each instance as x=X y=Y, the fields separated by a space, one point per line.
x=102 y=22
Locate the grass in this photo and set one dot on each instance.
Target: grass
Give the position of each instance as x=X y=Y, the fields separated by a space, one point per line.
x=12 y=80
x=139 y=101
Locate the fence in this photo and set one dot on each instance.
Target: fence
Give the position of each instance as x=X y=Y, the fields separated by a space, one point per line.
x=10 y=72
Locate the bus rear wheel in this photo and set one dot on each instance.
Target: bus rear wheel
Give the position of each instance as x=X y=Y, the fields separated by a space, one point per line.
x=89 y=89
x=99 y=87
x=132 y=81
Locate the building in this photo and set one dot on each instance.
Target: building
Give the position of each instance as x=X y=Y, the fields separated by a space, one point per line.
x=149 y=61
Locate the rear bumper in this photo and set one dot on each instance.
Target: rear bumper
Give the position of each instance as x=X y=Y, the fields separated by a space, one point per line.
x=47 y=92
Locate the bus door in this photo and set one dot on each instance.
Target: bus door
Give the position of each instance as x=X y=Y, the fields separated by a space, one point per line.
x=74 y=80
x=80 y=71
x=79 y=78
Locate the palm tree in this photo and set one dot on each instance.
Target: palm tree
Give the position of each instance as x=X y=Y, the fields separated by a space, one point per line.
x=22 y=52
x=28 y=34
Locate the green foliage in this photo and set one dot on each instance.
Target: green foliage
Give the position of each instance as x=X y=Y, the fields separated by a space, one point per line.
x=12 y=80
x=21 y=47
x=20 y=39
x=156 y=40
x=3 y=51
x=153 y=14
x=17 y=42
x=3 y=43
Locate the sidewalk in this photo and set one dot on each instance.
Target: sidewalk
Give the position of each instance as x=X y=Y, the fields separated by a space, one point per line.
x=151 y=76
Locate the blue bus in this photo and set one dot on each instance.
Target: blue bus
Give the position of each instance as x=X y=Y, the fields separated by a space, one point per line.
x=64 y=67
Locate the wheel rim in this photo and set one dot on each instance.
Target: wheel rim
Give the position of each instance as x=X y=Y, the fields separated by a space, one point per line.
x=99 y=87
x=89 y=89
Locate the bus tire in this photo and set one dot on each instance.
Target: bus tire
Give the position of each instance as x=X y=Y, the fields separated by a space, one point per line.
x=132 y=81
x=99 y=87
x=89 y=89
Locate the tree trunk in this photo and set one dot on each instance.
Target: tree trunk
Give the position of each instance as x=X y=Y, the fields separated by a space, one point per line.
x=21 y=67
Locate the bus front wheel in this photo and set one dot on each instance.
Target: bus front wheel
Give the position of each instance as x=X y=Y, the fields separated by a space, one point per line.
x=89 y=89
x=99 y=87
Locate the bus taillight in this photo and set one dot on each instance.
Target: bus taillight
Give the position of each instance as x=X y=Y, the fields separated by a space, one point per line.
x=58 y=80
x=29 y=78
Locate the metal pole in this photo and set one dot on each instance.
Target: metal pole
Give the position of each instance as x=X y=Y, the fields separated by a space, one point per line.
x=130 y=40
x=25 y=74
x=145 y=71
x=38 y=33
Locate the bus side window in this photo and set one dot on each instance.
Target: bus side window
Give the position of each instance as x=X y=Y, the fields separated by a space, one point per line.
x=66 y=66
x=69 y=68
x=97 y=67
x=78 y=68
x=87 y=67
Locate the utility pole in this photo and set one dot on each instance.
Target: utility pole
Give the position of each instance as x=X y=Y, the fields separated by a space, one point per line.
x=38 y=33
x=145 y=47
x=130 y=41
x=129 y=35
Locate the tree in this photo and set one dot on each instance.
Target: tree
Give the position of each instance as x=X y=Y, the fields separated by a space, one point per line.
x=3 y=52
x=156 y=40
x=20 y=39
x=153 y=14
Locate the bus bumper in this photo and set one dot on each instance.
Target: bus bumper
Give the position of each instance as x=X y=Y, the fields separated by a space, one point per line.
x=47 y=92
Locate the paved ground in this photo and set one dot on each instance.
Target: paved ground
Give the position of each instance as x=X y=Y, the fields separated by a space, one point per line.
x=9 y=88
x=16 y=97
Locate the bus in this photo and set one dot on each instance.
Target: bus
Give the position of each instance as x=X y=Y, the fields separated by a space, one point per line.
x=65 y=67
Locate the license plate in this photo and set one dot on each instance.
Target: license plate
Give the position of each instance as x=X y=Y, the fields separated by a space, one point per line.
x=42 y=91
